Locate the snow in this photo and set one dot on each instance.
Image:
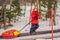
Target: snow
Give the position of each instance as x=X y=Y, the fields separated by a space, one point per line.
x=43 y=25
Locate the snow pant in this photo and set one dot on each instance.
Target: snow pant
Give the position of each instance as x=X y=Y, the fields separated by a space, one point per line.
x=33 y=27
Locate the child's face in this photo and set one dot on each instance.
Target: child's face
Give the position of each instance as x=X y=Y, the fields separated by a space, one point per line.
x=35 y=9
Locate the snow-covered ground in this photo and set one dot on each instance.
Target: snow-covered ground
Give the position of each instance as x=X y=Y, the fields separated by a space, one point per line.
x=43 y=25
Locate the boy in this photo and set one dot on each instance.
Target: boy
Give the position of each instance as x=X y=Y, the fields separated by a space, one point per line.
x=35 y=15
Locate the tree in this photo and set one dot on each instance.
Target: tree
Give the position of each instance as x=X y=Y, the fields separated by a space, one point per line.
x=25 y=7
x=48 y=4
x=9 y=16
x=14 y=11
x=4 y=5
x=31 y=5
x=39 y=4
x=53 y=5
x=15 y=4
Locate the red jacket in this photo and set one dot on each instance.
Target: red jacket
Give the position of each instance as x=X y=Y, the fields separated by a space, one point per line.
x=35 y=15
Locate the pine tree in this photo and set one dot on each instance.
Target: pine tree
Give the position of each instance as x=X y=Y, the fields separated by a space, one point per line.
x=14 y=10
x=16 y=4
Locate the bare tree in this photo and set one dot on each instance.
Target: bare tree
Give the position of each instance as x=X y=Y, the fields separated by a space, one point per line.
x=39 y=4
x=25 y=7
x=4 y=6
x=55 y=6
x=31 y=6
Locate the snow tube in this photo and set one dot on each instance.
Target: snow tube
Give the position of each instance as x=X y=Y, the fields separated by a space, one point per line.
x=10 y=34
